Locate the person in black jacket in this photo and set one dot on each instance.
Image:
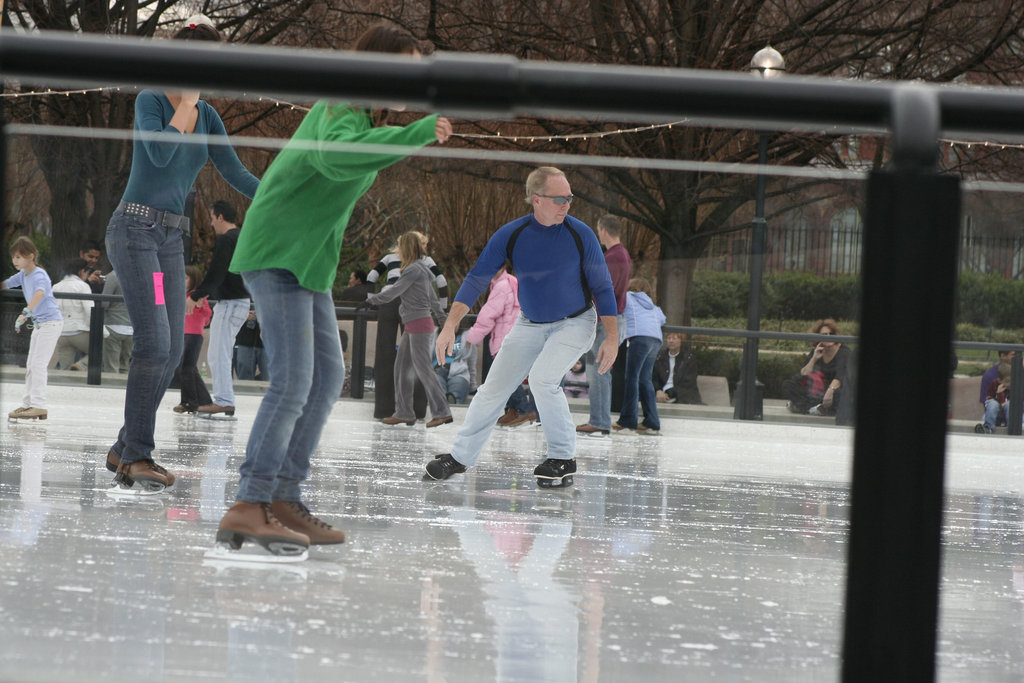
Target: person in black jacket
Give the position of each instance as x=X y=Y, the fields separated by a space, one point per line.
x=819 y=386
x=231 y=310
x=357 y=290
x=675 y=373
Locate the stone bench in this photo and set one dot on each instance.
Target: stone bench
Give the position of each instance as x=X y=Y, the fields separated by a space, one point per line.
x=963 y=398
x=714 y=390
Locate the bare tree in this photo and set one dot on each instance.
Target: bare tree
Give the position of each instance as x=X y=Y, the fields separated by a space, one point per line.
x=86 y=177
x=938 y=41
x=970 y=41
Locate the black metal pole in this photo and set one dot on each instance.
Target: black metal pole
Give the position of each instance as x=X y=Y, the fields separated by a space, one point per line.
x=95 y=345
x=1013 y=416
x=358 y=356
x=748 y=405
x=909 y=282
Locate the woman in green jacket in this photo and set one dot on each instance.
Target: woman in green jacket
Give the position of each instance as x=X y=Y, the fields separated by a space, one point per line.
x=288 y=255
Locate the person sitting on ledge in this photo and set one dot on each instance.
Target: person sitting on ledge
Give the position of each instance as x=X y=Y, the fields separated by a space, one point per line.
x=815 y=390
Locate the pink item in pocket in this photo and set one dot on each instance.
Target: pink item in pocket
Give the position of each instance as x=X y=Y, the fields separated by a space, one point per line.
x=158 y=289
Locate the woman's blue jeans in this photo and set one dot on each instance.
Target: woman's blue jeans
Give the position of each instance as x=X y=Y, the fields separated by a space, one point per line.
x=307 y=371
x=640 y=359
x=150 y=265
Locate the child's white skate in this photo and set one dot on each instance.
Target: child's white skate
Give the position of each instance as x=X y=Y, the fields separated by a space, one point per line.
x=27 y=414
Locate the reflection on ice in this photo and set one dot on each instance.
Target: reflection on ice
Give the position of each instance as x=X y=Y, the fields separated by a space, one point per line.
x=714 y=552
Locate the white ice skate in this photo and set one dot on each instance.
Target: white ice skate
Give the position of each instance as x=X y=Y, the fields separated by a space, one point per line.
x=252 y=553
x=137 y=489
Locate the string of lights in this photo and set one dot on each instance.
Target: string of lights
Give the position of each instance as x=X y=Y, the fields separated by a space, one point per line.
x=67 y=93
x=982 y=143
x=570 y=136
x=515 y=138
x=497 y=135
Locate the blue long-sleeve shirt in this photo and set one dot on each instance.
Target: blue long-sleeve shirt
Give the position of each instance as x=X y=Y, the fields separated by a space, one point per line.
x=547 y=264
x=47 y=309
x=164 y=171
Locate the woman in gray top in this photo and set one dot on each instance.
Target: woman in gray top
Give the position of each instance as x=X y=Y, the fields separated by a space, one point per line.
x=418 y=309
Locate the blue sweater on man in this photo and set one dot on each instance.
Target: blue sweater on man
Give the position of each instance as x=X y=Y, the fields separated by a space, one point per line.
x=547 y=263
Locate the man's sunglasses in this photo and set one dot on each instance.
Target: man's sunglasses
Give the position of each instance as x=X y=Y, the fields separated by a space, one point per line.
x=557 y=199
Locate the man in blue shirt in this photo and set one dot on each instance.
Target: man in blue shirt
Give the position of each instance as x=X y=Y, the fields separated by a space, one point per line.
x=561 y=273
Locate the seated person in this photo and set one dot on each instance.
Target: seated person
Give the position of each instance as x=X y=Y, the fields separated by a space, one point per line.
x=815 y=390
x=457 y=374
x=357 y=290
x=575 y=383
x=675 y=373
x=997 y=396
x=90 y=252
x=77 y=313
x=991 y=374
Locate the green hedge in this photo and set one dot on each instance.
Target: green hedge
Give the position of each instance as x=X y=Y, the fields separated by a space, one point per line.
x=990 y=301
x=784 y=295
x=982 y=300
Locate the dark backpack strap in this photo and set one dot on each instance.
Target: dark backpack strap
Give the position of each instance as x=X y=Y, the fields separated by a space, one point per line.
x=587 y=295
x=512 y=245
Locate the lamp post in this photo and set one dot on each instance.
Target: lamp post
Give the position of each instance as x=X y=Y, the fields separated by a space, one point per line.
x=767 y=63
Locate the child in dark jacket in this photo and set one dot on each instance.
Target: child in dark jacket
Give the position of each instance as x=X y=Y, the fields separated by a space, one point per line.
x=193 y=390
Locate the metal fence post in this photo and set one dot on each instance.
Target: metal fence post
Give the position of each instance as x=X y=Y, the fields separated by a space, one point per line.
x=95 y=344
x=749 y=392
x=909 y=281
x=1013 y=417
x=358 y=355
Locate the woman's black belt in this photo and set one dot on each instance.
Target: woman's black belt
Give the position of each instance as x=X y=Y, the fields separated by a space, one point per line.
x=158 y=217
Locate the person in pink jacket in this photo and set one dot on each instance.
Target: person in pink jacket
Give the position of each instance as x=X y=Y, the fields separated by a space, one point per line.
x=496 y=318
x=497 y=315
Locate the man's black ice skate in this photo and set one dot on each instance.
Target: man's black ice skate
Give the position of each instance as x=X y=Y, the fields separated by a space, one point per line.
x=443 y=466
x=555 y=473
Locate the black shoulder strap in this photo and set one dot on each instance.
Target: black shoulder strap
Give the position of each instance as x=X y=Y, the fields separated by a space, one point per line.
x=587 y=296
x=511 y=244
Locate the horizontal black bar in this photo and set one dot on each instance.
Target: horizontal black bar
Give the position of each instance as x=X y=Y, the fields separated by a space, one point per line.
x=461 y=84
x=349 y=312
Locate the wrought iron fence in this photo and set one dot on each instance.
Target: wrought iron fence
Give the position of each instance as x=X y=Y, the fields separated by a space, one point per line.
x=835 y=251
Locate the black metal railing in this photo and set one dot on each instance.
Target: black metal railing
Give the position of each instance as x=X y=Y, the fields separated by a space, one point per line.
x=891 y=616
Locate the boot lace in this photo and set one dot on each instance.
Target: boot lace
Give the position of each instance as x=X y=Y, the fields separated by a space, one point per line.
x=303 y=511
x=269 y=516
x=156 y=468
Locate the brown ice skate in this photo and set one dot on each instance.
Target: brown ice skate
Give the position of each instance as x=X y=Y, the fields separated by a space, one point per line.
x=296 y=516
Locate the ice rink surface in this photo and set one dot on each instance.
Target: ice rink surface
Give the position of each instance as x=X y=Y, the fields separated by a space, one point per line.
x=715 y=551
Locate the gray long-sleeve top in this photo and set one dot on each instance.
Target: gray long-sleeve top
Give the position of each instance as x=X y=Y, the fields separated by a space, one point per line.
x=416 y=289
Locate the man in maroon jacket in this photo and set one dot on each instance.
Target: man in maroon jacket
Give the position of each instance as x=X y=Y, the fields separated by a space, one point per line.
x=620 y=267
